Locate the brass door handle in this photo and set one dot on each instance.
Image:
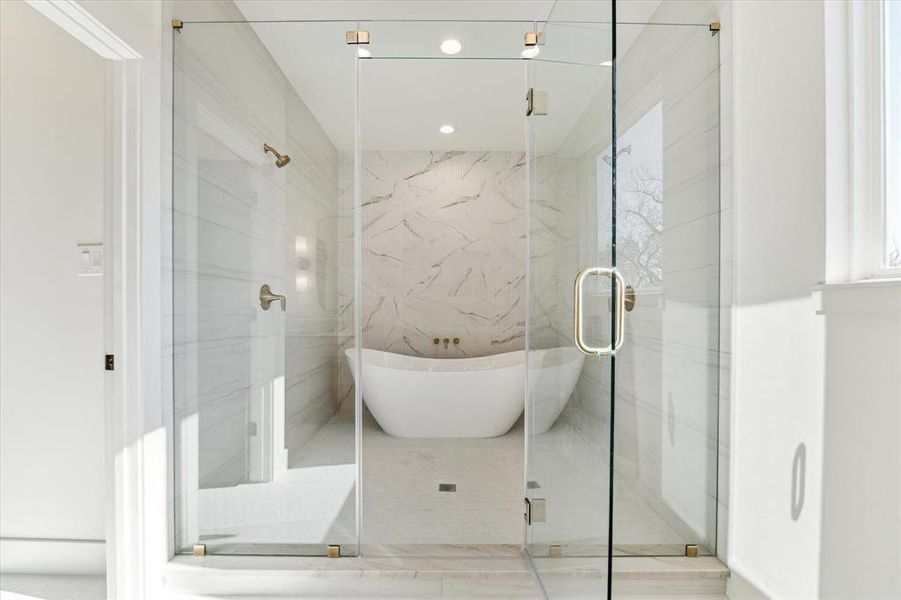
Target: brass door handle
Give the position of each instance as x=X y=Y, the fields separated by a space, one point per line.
x=267 y=297
x=619 y=302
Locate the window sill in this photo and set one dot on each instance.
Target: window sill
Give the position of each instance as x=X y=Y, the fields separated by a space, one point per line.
x=872 y=282
x=866 y=297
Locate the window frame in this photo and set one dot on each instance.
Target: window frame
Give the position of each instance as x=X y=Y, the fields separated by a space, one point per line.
x=885 y=65
x=855 y=142
x=867 y=66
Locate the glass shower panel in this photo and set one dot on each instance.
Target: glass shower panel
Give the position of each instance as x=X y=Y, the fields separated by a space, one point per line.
x=443 y=259
x=568 y=425
x=264 y=400
x=668 y=247
x=479 y=40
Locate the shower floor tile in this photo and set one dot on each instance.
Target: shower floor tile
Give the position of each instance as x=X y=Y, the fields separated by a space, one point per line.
x=405 y=514
x=402 y=502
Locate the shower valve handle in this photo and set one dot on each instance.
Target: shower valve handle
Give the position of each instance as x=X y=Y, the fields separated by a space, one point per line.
x=267 y=297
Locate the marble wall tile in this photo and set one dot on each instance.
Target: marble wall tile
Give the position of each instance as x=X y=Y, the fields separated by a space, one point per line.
x=443 y=252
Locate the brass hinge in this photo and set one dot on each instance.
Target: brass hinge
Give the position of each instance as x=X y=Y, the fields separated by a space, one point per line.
x=199 y=550
x=334 y=551
x=357 y=37
x=109 y=362
x=691 y=550
x=714 y=28
x=177 y=24
x=531 y=38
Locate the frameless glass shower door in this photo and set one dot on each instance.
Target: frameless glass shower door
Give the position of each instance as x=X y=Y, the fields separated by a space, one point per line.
x=667 y=216
x=263 y=275
x=569 y=386
x=623 y=274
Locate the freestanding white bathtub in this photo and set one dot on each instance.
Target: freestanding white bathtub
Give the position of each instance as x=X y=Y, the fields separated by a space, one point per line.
x=418 y=397
x=553 y=375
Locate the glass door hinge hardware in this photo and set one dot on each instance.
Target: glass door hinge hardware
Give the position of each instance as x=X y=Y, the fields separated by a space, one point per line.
x=536 y=102
x=109 y=362
x=555 y=551
x=714 y=28
x=531 y=38
x=199 y=550
x=534 y=510
x=691 y=550
x=177 y=24
x=357 y=37
x=334 y=551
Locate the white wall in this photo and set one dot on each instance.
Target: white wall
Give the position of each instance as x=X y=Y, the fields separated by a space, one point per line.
x=52 y=436
x=860 y=545
x=779 y=253
x=815 y=423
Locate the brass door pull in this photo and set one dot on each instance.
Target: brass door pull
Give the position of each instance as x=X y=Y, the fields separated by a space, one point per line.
x=619 y=304
x=267 y=297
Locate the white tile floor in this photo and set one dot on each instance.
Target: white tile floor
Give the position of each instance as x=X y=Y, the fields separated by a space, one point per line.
x=573 y=474
x=312 y=503
x=403 y=511
x=402 y=504
x=636 y=578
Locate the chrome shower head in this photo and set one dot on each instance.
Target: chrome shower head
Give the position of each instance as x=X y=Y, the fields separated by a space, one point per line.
x=280 y=159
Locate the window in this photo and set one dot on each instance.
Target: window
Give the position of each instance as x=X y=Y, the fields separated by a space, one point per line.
x=863 y=140
x=891 y=110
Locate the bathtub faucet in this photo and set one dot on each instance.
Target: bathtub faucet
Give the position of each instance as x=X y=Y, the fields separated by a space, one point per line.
x=446 y=341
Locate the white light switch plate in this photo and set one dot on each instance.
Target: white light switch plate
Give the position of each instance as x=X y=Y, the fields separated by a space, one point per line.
x=90 y=260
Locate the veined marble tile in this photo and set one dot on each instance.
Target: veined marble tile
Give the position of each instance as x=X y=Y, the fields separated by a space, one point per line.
x=443 y=251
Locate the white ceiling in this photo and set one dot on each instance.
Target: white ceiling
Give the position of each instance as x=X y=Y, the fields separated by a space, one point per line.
x=481 y=91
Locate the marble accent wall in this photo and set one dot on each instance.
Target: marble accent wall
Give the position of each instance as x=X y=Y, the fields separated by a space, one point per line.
x=443 y=243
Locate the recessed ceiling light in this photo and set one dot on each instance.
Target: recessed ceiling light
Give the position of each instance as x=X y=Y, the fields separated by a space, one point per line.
x=530 y=52
x=451 y=46
x=364 y=53
x=607 y=63
x=446 y=129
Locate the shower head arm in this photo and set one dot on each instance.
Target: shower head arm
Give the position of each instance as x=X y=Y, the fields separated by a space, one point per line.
x=280 y=159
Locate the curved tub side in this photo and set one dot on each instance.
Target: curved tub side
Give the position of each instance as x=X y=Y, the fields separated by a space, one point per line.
x=442 y=403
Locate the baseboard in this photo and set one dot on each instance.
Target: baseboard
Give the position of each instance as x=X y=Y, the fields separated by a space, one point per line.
x=739 y=588
x=59 y=557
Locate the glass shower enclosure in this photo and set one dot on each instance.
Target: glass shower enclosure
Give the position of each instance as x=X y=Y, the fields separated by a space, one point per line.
x=611 y=136
x=264 y=307
x=624 y=263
